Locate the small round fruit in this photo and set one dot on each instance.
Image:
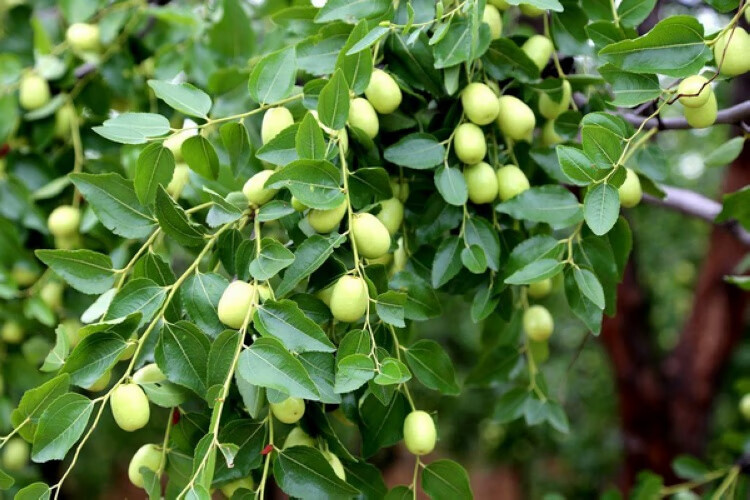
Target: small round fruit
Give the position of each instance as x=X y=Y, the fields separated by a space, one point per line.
x=481 y=180
x=148 y=456
x=419 y=433
x=500 y=4
x=245 y=483
x=130 y=407
x=539 y=48
x=400 y=189
x=83 y=37
x=274 y=121
x=254 y=191
x=33 y=92
x=325 y=221
x=383 y=92
x=65 y=116
x=236 y=303
x=630 y=191
x=336 y=465
x=704 y=116
x=101 y=383
x=370 y=236
x=362 y=116
x=15 y=454
x=24 y=274
x=52 y=294
x=538 y=323
x=511 y=181
x=540 y=289
x=298 y=437
x=731 y=52
x=479 y=103
x=325 y=294
x=298 y=205
x=694 y=91
x=64 y=220
x=391 y=214
x=531 y=10
x=130 y=349
x=516 y=120
x=349 y=299
x=469 y=143
x=550 y=109
x=180 y=178
x=12 y=333
x=492 y=17
x=745 y=406
x=289 y=411
x=550 y=137
x=149 y=374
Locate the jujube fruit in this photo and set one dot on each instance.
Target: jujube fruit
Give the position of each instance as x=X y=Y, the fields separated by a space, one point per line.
x=362 y=116
x=420 y=434
x=550 y=137
x=540 y=289
x=274 y=121
x=298 y=437
x=530 y=10
x=550 y=109
x=237 y=302
x=175 y=141
x=383 y=92
x=500 y=4
x=370 y=235
x=335 y=463
x=24 y=274
x=325 y=221
x=130 y=407
x=255 y=193
x=735 y=59
x=703 y=116
x=15 y=454
x=149 y=374
x=245 y=483
x=516 y=119
x=101 y=383
x=745 y=406
x=349 y=299
x=52 y=294
x=694 y=91
x=180 y=178
x=479 y=103
x=148 y=456
x=65 y=116
x=492 y=17
x=12 y=333
x=469 y=143
x=64 y=220
x=298 y=205
x=289 y=411
x=511 y=181
x=630 y=192
x=33 y=92
x=83 y=37
x=399 y=258
x=538 y=323
x=539 y=48
x=391 y=214
x=481 y=181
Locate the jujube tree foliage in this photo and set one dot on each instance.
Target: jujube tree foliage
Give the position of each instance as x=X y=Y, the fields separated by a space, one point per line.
x=237 y=216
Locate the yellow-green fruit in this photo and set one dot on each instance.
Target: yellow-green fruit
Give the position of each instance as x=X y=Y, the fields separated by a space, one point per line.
x=383 y=259
x=492 y=17
x=420 y=434
x=540 y=289
x=149 y=374
x=64 y=118
x=538 y=323
x=694 y=91
x=400 y=189
x=391 y=214
x=630 y=191
x=52 y=294
x=179 y=180
x=12 y=333
x=325 y=294
x=298 y=205
x=336 y=465
x=72 y=242
x=33 y=92
x=516 y=119
x=24 y=274
x=274 y=121
x=245 y=483
x=500 y=4
x=480 y=103
x=704 y=116
x=83 y=37
x=130 y=407
x=325 y=221
x=64 y=220
x=236 y=303
x=735 y=60
x=370 y=235
x=745 y=406
x=399 y=258
x=254 y=191
x=15 y=454
x=362 y=116
x=539 y=48
x=469 y=143
x=289 y=411
x=349 y=299
x=530 y=10
x=511 y=181
x=148 y=456
x=549 y=136
x=481 y=180
x=101 y=383
x=550 y=109
x=298 y=437
x=130 y=349
x=383 y=92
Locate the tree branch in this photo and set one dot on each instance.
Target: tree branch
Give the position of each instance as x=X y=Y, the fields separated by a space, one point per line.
x=735 y=114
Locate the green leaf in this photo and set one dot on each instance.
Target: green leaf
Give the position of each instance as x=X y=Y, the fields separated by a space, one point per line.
x=59 y=352
x=85 y=270
x=382 y=425
x=303 y=472
x=553 y=5
x=351 y=11
x=375 y=34
x=183 y=97
x=356 y=68
x=582 y=307
x=451 y=185
x=418 y=151
x=447 y=262
x=309 y=141
x=736 y=205
x=633 y=12
x=6 y=481
x=601 y=208
x=577 y=167
x=34 y=491
x=201 y=156
x=200 y=296
x=285 y=321
x=504 y=59
x=390 y=308
x=282 y=149
x=182 y=355
x=272 y=78
x=432 y=366
x=462 y=42
x=266 y=363
x=138 y=295
x=369 y=184
x=133 y=128
x=250 y=437
x=309 y=256
x=536 y=270
x=392 y=372
x=446 y=480
x=725 y=153
x=603 y=138
x=367 y=478
x=223 y=210
x=155 y=166
x=421 y=302
x=174 y=221
x=352 y=372
x=237 y=143
x=333 y=102
x=589 y=286
x=93 y=356
x=313 y=182
x=273 y=257
x=274 y=210
x=33 y=403
x=630 y=89
x=233 y=35
x=473 y=259
x=60 y=426
x=550 y=204
x=531 y=250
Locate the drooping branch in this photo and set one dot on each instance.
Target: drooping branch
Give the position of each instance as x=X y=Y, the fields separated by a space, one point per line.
x=734 y=114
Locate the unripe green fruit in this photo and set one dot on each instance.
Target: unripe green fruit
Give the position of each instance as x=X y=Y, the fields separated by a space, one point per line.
x=420 y=434
x=236 y=303
x=149 y=374
x=492 y=17
x=539 y=48
x=52 y=294
x=400 y=189
x=538 y=323
x=549 y=136
x=383 y=259
x=516 y=120
x=630 y=191
x=530 y=10
x=511 y=181
x=481 y=180
x=480 y=103
x=148 y=456
x=33 y=92
x=399 y=258
x=298 y=205
x=129 y=350
x=289 y=411
x=12 y=333
x=349 y=299
x=383 y=92
x=391 y=214
x=298 y=437
x=500 y=4
x=64 y=118
x=274 y=121
x=734 y=60
x=24 y=274
x=245 y=483
x=64 y=221
x=254 y=191
x=72 y=242
x=179 y=180
x=175 y=141
x=540 y=289
x=325 y=294
x=551 y=109
x=101 y=383
x=469 y=143
x=745 y=406
x=325 y=221
x=695 y=91
x=704 y=116
x=362 y=116
x=83 y=37
x=130 y=407
x=336 y=465
x=15 y=454
x=370 y=236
